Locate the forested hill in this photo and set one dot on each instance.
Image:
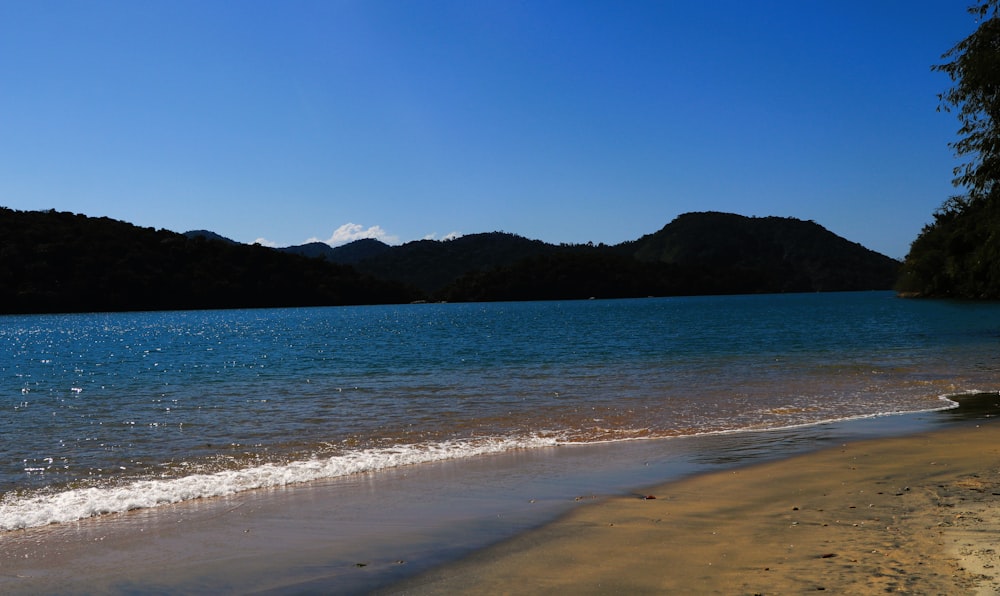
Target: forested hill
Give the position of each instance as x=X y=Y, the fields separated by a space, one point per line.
x=61 y=262
x=726 y=252
x=433 y=264
x=696 y=254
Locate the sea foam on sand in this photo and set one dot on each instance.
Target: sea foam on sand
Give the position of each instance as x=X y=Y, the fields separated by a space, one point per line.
x=19 y=512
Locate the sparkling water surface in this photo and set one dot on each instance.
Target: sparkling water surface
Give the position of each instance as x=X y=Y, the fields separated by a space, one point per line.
x=114 y=411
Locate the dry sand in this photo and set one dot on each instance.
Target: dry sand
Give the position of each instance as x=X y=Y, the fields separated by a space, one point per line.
x=918 y=515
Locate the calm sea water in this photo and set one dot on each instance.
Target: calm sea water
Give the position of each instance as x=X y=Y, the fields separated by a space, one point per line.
x=116 y=411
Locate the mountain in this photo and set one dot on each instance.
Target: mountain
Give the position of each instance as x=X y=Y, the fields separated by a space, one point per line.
x=61 y=262
x=727 y=253
x=347 y=254
x=431 y=264
x=697 y=253
x=566 y=275
x=206 y=235
x=312 y=250
x=428 y=265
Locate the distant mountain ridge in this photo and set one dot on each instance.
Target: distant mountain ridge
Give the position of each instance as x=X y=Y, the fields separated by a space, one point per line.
x=705 y=252
x=62 y=262
x=779 y=254
x=346 y=254
x=206 y=235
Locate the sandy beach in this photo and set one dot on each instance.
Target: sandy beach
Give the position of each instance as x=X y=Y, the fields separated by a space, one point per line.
x=781 y=512
x=918 y=515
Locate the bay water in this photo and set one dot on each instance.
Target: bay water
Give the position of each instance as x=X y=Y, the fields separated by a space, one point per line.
x=110 y=412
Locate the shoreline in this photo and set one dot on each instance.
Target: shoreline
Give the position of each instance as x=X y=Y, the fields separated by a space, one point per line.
x=72 y=505
x=396 y=528
x=913 y=514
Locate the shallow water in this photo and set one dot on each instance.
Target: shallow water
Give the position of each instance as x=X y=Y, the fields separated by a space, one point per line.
x=117 y=411
x=364 y=533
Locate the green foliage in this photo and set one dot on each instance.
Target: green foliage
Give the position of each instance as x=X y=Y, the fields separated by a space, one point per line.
x=958 y=254
x=975 y=69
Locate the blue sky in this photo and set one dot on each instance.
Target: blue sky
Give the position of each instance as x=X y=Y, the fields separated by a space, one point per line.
x=565 y=121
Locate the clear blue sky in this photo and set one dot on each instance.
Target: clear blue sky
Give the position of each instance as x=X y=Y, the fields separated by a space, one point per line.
x=565 y=121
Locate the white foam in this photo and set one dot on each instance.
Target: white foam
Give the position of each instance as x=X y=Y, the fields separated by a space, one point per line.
x=21 y=512
x=80 y=503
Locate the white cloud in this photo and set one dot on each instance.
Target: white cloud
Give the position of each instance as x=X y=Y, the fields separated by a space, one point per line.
x=448 y=236
x=349 y=232
x=265 y=242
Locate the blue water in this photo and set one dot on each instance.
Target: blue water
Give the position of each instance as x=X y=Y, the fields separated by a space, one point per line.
x=114 y=411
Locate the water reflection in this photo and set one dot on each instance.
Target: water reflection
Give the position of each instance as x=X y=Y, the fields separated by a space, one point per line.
x=974 y=406
x=748 y=447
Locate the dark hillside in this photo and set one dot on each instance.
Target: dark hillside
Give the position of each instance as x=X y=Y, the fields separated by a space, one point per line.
x=570 y=275
x=727 y=253
x=359 y=250
x=313 y=250
x=432 y=264
x=52 y=262
x=347 y=254
x=206 y=235
x=61 y=262
x=697 y=253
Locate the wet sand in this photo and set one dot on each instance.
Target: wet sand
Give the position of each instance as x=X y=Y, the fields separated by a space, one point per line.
x=860 y=516
x=918 y=514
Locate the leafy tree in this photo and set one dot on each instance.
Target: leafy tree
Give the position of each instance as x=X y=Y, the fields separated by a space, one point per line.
x=958 y=254
x=975 y=70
